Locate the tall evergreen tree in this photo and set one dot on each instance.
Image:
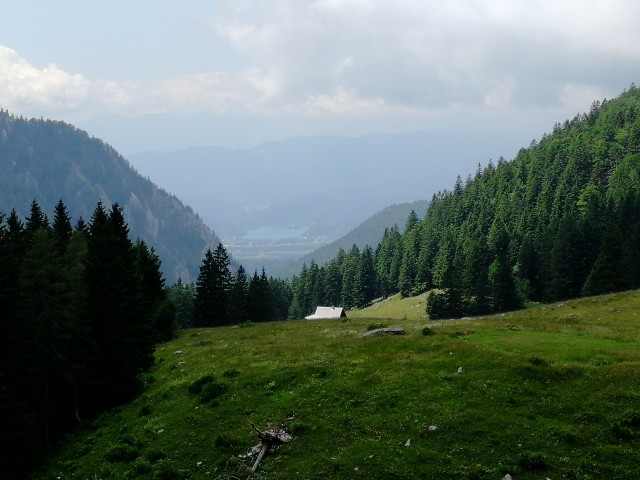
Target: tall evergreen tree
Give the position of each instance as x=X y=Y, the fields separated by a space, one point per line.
x=62 y=228
x=204 y=305
x=365 y=278
x=238 y=297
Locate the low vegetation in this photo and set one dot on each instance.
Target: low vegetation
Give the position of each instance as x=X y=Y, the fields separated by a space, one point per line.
x=549 y=391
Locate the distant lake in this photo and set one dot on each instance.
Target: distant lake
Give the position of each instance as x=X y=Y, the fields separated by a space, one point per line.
x=274 y=232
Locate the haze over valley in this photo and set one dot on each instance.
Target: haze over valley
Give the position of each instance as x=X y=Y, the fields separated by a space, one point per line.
x=280 y=200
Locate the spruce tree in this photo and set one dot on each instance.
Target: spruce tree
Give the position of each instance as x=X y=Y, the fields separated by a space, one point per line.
x=61 y=227
x=238 y=297
x=204 y=306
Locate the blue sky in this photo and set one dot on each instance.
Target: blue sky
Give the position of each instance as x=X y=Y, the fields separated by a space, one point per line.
x=164 y=74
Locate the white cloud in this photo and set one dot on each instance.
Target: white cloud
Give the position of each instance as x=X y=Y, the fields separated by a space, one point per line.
x=369 y=57
x=23 y=86
x=343 y=101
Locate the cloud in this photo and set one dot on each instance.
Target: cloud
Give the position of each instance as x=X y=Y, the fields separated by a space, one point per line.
x=25 y=87
x=365 y=57
x=428 y=54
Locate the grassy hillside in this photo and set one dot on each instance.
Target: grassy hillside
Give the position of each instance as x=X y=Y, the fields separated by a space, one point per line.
x=409 y=308
x=550 y=391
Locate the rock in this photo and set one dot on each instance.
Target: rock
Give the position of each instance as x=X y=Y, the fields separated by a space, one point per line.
x=161 y=430
x=507 y=477
x=459 y=369
x=178 y=352
x=432 y=428
x=407 y=443
x=390 y=331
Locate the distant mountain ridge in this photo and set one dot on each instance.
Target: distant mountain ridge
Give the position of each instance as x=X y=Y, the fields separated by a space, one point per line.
x=327 y=183
x=369 y=232
x=50 y=160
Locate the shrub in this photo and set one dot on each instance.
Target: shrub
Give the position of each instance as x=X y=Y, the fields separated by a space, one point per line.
x=144 y=410
x=141 y=466
x=122 y=453
x=231 y=373
x=535 y=360
x=629 y=427
x=196 y=387
x=154 y=455
x=207 y=388
x=167 y=470
x=533 y=461
x=426 y=331
x=211 y=391
x=375 y=326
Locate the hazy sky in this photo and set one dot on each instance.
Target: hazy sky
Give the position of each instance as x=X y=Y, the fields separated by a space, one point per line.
x=162 y=74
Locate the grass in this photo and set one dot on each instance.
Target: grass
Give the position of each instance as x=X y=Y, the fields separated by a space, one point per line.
x=395 y=307
x=550 y=391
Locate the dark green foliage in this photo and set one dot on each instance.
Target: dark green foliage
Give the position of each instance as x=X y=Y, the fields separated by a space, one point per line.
x=259 y=298
x=211 y=302
x=238 y=297
x=207 y=389
x=122 y=453
x=195 y=388
x=375 y=326
x=48 y=160
x=81 y=312
x=428 y=331
x=532 y=461
x=628 y=428
x=182 y=296
x=560 y=220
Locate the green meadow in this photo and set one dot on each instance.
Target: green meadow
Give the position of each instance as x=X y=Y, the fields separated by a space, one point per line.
x=552 y=391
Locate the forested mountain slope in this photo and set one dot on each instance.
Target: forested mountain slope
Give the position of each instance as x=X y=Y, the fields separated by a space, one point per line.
x=50 y=160
x=559 y=221
x=368 y=232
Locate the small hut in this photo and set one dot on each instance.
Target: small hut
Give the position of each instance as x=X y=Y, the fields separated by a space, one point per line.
x=327 y=313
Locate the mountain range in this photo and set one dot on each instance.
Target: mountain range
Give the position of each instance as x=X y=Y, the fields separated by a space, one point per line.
x=50 y=160
x=315 y=186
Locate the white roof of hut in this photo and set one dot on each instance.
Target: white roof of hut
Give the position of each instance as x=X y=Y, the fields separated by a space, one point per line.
x=327 y=313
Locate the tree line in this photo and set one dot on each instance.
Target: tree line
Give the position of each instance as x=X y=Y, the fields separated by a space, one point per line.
x=559 y=221
x=82 y=308
x=221 y=296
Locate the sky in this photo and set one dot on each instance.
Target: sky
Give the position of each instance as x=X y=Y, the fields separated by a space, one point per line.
x=163 y=74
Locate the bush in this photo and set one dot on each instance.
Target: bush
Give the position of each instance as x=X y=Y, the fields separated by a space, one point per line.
x=231 y=373
x=445 y=304
x=141 y=466
x=154 y=455
x=426 y=331
x=122 y=453
x=533 y=461
x=629 y=427
x=167 y=470
x=211 y=391
x=207 y=388
x=144 y=410
x=196 y=387
x=375 y=326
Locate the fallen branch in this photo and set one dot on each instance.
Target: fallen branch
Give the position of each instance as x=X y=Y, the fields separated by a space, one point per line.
x=270 y=440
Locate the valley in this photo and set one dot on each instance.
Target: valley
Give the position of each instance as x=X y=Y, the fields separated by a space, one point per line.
x=546 y=392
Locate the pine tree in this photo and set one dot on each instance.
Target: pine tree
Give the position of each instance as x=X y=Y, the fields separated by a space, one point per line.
x=610 y=272
x=204 y=306
x=259 y=298
x=238 y=297
x=122 y=346
x=365 y=278
x=36 y=219
x=62 y=227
